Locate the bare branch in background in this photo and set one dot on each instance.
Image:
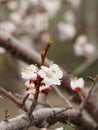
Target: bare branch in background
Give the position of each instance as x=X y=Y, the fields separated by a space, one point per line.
x=67 y=102
x=13 y=98
x=85 y=65
x=94 y=82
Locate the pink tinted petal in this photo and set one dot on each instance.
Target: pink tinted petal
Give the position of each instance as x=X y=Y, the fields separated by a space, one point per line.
x=77 y=89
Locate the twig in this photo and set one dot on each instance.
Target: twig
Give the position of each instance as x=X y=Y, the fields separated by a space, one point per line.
x=89 y=93
x=34 y=103
x=13 y=98
x=85 y=65
x=24 y=99
x=44 y=52
x=38 y=103
x=68 y=103
x=6 y=115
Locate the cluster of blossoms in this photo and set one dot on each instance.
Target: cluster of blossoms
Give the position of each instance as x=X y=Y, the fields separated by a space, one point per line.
x=32 y=17
x=66 y=28
x=77 y=84
x=83 y=47
x=47 y=75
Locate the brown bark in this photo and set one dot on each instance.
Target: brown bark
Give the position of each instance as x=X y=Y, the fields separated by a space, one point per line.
x=48 y=116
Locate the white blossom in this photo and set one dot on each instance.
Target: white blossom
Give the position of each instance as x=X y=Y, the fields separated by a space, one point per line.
x=82 y=39
x=29 y=83
x=44 y=129
x=12 y=5
x=77 y=84
x=45 y=36
x=66 y=31
x=56 y=71
x=52 y=6
x=8 y=26
x=69 y=16
x=30 y=72
x=23 y=6
x=2 y=50
x=16 y=17
x=51 y=75
x=41 y=22
x=45 y=88
x=60 y=128
x=75 y=3
x=30 y=87
x=78 y=46
x=89 y=50
x=30 y=97
x=84 y=48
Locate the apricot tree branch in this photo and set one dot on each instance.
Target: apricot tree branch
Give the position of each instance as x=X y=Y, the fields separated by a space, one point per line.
x=13 y=98
x=47 y=115
x=18 y=50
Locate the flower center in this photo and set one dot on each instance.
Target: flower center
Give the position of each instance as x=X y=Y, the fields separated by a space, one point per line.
x=53 y=71
x=48 y=75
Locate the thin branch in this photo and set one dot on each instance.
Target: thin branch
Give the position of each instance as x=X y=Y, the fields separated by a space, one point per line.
x=17 y=49
x=85 y=65
x=44 y=52
x=6 y=115
x=24 y=99
x=89 y=93
x=68 y=103
x=13 y=98
x=34 y=102
x=38 y=103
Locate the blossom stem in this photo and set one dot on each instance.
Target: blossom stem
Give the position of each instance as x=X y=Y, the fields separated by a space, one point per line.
x=44 y=52
x=25 y=98
x=34 y=103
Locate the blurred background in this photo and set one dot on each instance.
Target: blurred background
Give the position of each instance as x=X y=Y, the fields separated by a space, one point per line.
x=73 y=25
